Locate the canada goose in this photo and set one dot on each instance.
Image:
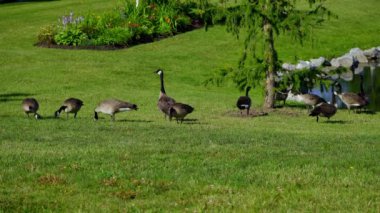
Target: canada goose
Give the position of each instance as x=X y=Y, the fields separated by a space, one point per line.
x=350 y=99
x=179 y=111
x=244 y=102
x=164 y=101
x=362 y=93
x=113 y=106
x=71 y=105
x=281 y=96
x=30 y=105
x=325 y=109
x=310 y=100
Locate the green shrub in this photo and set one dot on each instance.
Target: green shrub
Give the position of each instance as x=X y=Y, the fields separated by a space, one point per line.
x=71 y=37
x=115 y=36
x=90 y=25
x=46 y=35
x=182 y=23
x=122 y=26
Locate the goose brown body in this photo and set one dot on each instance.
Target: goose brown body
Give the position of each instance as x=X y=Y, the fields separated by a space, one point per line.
x=179 y=111
x=325 y=109
x=70 y=105
x=30 y=105
x=164 y=103
x=350 y=99
x=311 y=99
x=113 y=106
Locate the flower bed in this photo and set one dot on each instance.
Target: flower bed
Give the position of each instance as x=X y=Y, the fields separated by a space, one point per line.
x=124 y=26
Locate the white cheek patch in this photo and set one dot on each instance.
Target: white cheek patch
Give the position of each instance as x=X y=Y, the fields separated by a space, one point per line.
x=124 y=109
x=355 y=105
x=159 y=72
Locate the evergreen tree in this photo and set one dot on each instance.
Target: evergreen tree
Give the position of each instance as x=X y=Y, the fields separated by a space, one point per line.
x=262 y=20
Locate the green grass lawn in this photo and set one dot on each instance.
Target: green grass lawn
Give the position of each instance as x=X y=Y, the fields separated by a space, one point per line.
x=277 y=163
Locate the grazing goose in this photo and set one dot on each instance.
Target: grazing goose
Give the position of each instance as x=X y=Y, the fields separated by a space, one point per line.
x=30 y=105
x=310 y=100
x=244 y=102
x=164 y=101
x=325 y=109
x=179 y=111
x=113 y=106
x=282 y=95
x=71 y=105
x=350 y=99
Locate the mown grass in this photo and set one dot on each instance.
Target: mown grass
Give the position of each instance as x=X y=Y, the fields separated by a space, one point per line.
x=281 y=162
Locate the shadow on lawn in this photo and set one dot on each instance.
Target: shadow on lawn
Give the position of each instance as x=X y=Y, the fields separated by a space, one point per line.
x=336 y=122
x=189 y=122
x=133 y=121
x=18 y=1
x=367 y=112
x=13 y=96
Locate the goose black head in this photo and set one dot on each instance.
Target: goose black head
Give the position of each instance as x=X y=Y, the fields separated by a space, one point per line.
x=338 y=87
x=37 y=116
x=159 y=72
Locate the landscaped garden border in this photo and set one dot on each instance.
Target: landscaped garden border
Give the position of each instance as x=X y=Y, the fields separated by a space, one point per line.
x=127 y=25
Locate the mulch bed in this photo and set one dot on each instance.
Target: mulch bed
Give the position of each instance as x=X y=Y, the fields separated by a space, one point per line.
x=252 y=113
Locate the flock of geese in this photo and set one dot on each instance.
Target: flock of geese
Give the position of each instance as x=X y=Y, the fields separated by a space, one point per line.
x=172 y=109
x=317 y=106
x=167 y=105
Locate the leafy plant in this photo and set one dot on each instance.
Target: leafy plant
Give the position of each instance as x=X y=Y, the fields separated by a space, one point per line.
x=46 y=35
x=71 y=36
x=115 y=36
x=124 y=25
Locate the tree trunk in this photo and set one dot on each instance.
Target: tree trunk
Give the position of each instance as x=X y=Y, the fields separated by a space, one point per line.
x=270 y=58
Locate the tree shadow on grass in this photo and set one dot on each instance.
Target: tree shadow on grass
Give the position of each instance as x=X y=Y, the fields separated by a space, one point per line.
x=13 y=96
x=19 y=1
